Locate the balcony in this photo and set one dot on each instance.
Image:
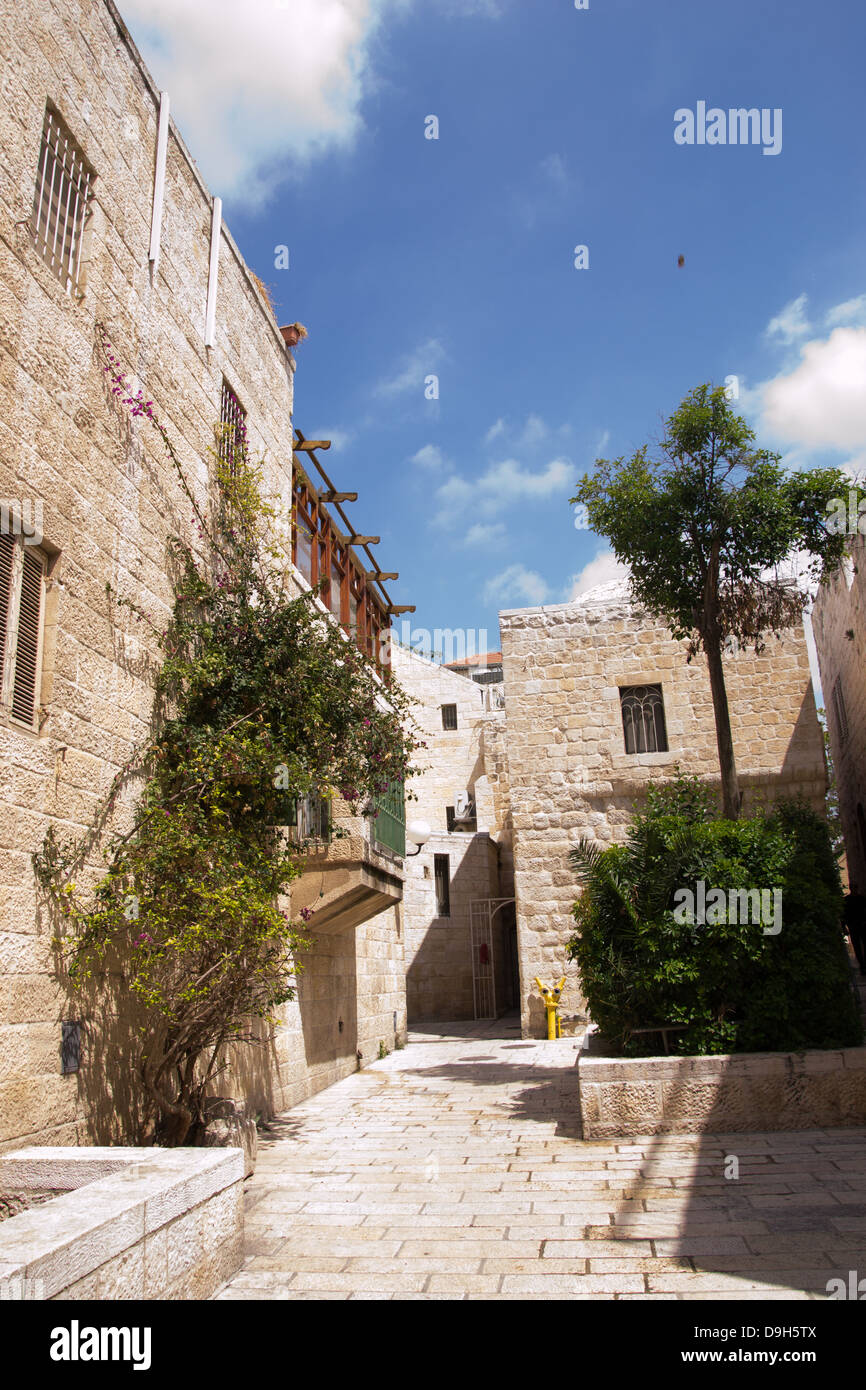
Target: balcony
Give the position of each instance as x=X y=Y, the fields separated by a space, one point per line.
x=350 y=876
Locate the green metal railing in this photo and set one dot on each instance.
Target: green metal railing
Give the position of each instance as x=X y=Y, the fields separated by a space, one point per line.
x=389 y=827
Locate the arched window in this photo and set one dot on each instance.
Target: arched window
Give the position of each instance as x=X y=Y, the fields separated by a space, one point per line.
x=643 y=719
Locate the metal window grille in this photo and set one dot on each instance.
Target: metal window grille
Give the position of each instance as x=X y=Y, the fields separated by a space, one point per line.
x=233 y=429
x=442 y=876
x=60 y=203
x=449 y=716
x=839 y=710
x=22 y=582
x=643 y=719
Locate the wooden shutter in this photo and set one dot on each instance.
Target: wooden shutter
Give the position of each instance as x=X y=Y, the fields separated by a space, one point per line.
x=26 y=683
x=7 y=554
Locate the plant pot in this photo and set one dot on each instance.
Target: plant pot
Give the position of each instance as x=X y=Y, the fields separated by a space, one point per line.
x=291 y=336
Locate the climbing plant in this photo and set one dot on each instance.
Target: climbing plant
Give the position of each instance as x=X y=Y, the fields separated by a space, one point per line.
x=259 y=699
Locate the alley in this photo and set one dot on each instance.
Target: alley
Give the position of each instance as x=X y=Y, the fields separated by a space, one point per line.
x=454 y=1169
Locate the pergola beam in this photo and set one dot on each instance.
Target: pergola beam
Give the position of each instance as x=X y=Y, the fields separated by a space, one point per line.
x=306 y=446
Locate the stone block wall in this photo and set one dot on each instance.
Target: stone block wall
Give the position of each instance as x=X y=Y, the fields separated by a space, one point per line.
x=568 y=771
x=438 y=950
x=839 y=624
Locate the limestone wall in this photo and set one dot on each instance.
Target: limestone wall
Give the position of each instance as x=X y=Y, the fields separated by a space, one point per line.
x=110 y=500
x=839 y=624
x=568 y=770
x=438 y=949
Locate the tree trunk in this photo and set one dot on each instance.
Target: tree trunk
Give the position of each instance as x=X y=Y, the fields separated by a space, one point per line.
x=724 y=741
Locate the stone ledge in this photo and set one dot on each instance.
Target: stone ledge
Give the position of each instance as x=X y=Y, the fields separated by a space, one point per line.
x=118 y=1200
x=624 y=1096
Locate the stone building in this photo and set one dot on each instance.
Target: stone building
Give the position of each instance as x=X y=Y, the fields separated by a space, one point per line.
x=839 y=624
x=460 y=937
x=599 y=701
x=105 y=221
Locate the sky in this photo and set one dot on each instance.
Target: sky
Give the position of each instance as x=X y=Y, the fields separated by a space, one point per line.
x=455 y=258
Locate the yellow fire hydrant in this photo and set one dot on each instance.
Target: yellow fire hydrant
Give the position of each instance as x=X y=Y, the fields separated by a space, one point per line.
x=551 y=1003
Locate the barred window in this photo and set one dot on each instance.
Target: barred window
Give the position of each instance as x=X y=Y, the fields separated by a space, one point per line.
x=233 y=429
x=839 y=711
x=643 y=719
x=449 y=716
x=22 y=584
x=60 y=205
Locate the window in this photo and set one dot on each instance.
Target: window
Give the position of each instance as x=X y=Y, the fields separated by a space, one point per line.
x=449 y=716
x=449 y=818
x=233 y=429
x=22 y=582
x=60 y=202
x=839 y=711
x=442 y=876
x=643 y=719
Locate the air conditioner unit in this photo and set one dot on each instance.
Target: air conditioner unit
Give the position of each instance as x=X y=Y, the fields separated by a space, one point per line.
x=464 y=807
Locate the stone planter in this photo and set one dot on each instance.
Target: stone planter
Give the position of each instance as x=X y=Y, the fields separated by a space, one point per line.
x=624 y=1096
x=132 y=1223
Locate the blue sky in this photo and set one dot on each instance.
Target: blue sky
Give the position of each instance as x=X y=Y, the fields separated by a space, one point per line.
x=411 y=256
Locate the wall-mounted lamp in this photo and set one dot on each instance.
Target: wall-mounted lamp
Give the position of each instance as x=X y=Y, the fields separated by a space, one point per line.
x=418 y=833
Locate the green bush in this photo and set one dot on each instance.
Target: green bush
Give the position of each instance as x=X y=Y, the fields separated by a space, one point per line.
x=732 y=987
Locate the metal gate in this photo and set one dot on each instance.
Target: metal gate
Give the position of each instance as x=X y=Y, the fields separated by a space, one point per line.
x=481 y=914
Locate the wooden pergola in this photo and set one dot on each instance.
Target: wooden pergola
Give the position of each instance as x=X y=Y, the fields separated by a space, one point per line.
x=326 y=554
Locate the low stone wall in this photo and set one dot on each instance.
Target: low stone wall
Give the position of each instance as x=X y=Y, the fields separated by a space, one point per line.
x=132 y=1223
x=725 y=1094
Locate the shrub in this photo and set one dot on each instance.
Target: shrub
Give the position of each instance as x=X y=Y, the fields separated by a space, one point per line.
x=733 y=988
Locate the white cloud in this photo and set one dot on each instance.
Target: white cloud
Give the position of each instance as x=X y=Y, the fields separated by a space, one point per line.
x=516 y=584
x=822 y=402
x=413 y=368
x=339 y=438
x=489 y=533
x=259 y=89
x=508 y=482
x=603 y=568
x=791 y=323
x=554 y=169
x=495 y=431
x=431 y=456
x=852 y=311
x=501 y=485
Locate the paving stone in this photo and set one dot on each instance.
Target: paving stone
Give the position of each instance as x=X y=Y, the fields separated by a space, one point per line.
x=396 y=1184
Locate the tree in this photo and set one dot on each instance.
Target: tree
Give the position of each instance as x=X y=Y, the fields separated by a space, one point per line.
x=259 y=701
x=704 y=531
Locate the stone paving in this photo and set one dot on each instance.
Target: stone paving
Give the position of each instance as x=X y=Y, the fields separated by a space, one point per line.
x=454 y=1169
